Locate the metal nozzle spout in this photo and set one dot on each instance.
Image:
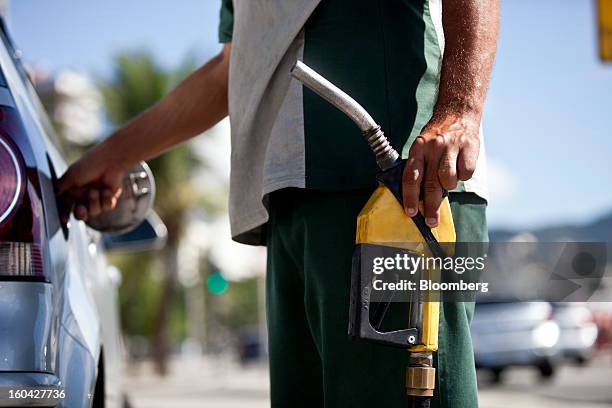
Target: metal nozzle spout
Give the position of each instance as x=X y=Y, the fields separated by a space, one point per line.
x=334 y=95
x=386 y=155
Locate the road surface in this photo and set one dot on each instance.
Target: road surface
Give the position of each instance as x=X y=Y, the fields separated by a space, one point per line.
x=220 y=383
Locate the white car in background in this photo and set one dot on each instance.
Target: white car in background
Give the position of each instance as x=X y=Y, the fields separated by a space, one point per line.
x=578 y=331
x=506 y=334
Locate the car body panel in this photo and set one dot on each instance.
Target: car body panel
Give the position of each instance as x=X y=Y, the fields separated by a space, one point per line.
x=578 y=329
x=26 y=347
x=70 y=318
x=17 y=380
x=77 y=284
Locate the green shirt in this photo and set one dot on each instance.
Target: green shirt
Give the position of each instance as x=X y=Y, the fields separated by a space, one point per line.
x=380 y=53
x=384 y=53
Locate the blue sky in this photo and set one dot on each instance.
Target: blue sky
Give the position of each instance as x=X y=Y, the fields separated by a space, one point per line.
x=548 y=121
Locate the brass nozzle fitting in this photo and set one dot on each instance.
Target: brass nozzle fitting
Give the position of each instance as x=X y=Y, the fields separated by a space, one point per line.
x=420 y=375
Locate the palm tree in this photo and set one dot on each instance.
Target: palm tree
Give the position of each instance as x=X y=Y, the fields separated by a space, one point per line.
x=136 y=84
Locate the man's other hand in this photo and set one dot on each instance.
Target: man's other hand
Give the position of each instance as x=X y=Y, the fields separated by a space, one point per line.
x=444 y=153
x=89 y=186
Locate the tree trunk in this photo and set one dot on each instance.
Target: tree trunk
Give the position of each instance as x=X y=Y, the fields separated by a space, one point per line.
x=162 y=343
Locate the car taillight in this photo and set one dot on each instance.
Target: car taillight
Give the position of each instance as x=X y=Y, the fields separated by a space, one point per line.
x=20 y=259
x=12 y=180
x=21 y=213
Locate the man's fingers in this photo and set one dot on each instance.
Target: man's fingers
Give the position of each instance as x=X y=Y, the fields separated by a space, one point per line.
x=432 y=201
x=432 y=189
x=95 y=206
x=447 y=151
x=412 y=178
x=80 y=212
x=108 y=200
x=113 y=180
x=467 y=159
x=86 y=202
x=67 y=199
x=447 y=171
x=88 y=198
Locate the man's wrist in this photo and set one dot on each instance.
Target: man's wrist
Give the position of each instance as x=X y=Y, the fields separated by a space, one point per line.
x=447 y=116
x=113 y=152
x=447 y=120
x=457 y=107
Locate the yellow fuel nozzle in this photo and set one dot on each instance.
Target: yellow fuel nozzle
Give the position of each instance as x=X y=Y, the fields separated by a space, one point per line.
x=382 y=221
x=382 y=224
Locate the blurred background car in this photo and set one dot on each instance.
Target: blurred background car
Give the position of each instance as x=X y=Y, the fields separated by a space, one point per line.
x=249 y=345
x=578 y=331
x=516 y=334
x=603 y=320
x=59 y=319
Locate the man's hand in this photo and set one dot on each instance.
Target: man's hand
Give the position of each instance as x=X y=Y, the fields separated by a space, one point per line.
x=445 y=152
x=90 y=186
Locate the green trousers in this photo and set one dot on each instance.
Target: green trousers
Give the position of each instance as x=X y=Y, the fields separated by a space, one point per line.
x=313 y=363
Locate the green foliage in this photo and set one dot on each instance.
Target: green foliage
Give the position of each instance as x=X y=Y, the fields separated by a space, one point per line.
x=139 y=293
x=178 y=323
x=242 y=300
x=137 y=83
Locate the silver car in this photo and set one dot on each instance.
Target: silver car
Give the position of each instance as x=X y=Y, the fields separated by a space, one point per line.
x=60 y=343
x=511 y=334
x=578 y=331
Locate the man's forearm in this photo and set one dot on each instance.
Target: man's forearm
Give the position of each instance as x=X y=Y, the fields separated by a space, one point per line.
x=470 y=29
x=195 y=105
x=447 y=149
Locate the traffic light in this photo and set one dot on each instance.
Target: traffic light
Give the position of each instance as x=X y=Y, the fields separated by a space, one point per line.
x=216 y=283
x=604 y=13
